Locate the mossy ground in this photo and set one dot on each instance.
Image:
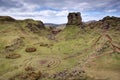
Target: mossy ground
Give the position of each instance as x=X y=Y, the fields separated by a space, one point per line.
x=71 y=41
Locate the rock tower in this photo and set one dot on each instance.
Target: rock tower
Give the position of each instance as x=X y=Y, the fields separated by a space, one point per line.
x=74 y=18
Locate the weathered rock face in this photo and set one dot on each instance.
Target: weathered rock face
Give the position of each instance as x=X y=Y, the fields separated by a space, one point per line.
x=74 y=19
x=111 y=22
x=106 y=23
x=38 y=24
x=35 y=26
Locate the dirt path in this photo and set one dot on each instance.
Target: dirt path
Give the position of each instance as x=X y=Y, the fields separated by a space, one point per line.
x=95 y=54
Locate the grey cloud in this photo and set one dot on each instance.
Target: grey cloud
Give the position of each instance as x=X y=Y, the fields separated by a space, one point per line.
x=9 y=4
x=75 y=5
x=52 y=8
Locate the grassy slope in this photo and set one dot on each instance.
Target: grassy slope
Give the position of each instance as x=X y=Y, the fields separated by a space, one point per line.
x=71 y=41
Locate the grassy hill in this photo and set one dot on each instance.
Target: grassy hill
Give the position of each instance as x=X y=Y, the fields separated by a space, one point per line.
x=27 y=53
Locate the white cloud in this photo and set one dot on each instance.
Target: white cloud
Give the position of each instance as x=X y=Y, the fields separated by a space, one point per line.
x=62 y=13
x=47 y=16
x=56 y=11
x=111 y=10
x=48 y=13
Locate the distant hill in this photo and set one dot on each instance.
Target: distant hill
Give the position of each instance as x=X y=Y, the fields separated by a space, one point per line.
x=26 y=25
x=114 y=22
x=90 y=21
x=31 y=51
x=6 y=18
x=111 y=18
x=54 y=25
x=50 y=24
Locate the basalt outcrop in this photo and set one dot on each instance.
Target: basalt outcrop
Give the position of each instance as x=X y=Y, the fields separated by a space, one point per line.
x=108 y=22
x=74 y=18
x=34 y=26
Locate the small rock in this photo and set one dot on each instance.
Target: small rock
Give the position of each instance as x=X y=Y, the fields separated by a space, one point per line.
x=13 y=56
x=30 y=49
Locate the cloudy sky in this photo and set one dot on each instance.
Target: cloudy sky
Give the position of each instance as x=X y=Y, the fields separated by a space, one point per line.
x=56 y=11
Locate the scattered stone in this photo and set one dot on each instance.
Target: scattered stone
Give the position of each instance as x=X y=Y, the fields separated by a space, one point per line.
x=27 y=75
x=75 y=74
x=29 y=68
x=30 y=49
x=35 y=27
x=45 y=45
x=15 y=44
x=13 y=56
x=46 y=75
x=34 y=75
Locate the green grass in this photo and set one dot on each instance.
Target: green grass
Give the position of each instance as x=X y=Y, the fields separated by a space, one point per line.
x=70 y=41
